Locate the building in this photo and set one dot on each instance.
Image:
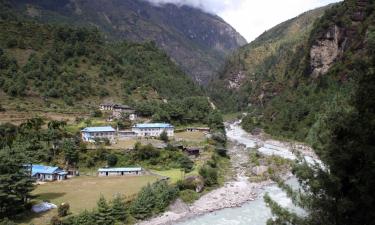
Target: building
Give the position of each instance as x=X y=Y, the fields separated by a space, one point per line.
x=124 y=171
x=192 y=151
x=91 y=133
x=125 y=134
x=153 y=129
x=118 y=110
x=195 y=129
x=48 y=173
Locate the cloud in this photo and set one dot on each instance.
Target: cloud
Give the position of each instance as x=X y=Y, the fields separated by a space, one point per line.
x=211 y=6
x=251 y=17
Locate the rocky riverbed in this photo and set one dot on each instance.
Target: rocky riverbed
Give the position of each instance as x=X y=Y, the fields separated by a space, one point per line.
x=239 y=189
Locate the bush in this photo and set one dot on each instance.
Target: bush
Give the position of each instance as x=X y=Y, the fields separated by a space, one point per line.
x=189 y=196
x=186 y=163
x=55 y=220
x=63 y=209
x=96 y=113
x=209 y=174
x=164 y=136
x=221 y=152
x=112 y=160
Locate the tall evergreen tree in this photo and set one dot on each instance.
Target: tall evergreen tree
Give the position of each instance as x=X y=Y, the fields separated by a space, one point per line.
x=103 y=215
x=15 y=182
x=119 y=208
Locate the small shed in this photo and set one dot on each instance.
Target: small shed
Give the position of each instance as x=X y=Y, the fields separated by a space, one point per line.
x=120 y=171
x=192 y=151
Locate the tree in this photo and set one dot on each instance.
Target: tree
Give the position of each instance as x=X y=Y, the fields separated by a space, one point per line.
x=119 y=208
x=15 y=182
x=111 y=160
x=103 y=216
x=71 y=153
x=164 y=136
x=209 y=175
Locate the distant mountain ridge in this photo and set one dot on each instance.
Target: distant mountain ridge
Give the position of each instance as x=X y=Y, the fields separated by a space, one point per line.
x=198 y=41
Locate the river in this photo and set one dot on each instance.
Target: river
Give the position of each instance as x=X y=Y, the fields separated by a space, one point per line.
x=254 y=212
x=238 y=201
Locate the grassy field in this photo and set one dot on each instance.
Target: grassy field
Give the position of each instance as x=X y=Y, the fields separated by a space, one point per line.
x=191 y=136
x=83 y=192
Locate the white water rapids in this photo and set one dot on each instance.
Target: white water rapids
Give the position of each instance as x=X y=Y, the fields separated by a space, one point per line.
x=239 y=201
x=254 y=212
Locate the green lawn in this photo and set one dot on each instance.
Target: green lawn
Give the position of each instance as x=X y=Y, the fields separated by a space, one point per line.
x=83 y=192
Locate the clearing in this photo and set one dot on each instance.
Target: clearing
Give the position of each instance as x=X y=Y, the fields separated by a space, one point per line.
x=83 y=192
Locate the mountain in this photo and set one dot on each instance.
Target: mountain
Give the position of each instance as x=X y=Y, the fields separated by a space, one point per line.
x=290 y=77
x=198 y=41
x=58 y=67
x=256 y=71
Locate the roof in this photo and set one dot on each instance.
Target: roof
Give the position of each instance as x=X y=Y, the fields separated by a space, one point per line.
x=99 y=129
x=153 y=125
x=44 y=169
x=118 y=106
x=120 y=169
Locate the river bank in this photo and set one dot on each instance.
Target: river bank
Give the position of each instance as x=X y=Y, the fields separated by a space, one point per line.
x=239 y=190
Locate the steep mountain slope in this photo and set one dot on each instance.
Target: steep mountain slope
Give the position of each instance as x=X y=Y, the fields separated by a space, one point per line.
x=59 y=65
x=197 y=41
x=290 y=92
x=257 y=71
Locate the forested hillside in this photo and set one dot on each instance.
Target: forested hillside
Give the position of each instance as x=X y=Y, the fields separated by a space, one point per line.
x=307 y=76
x=196 y=40
x=65 y=66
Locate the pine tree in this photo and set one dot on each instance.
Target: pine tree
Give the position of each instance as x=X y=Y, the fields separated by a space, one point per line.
x=119 y=208
x=15 y=182
x=103 y=215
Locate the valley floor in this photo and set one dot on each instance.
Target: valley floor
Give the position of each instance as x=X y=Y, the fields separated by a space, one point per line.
x=237 y=190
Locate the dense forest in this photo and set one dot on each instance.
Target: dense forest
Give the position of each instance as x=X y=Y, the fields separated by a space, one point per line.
x=76 y=65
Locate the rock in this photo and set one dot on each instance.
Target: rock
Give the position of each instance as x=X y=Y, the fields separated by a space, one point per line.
x=325 y=51
x=259 y=170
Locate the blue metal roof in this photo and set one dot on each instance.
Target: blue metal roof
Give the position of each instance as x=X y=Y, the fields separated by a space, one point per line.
x=99 y=129
x=153 y=125
x=120 y=169
x=44 y=169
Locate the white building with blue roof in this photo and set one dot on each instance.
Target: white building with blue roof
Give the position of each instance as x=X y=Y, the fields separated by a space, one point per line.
x=48 y=173
x=152 y=129
x=91 y=133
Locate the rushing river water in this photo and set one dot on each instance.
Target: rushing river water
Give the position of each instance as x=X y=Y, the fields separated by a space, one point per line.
x=254 y=212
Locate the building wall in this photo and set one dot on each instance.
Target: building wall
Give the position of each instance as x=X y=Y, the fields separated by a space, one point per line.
x=152 y=132
x=124 y=173
x=90 y=136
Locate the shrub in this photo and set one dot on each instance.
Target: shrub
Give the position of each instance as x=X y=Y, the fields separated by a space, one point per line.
x=209 y=174
x=189 y=196
x=63 y=209
x=55 y=220
x=164 y=136
x=112 y=160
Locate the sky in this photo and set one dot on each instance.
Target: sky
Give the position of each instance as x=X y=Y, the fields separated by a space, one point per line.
x=252 y=17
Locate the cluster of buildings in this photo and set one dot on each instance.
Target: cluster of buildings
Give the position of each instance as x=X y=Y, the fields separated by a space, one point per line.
x=118 y=110
x=54 y=173
x=141 y=130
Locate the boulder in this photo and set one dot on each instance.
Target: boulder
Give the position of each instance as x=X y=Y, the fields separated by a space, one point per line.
x=259 y=170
